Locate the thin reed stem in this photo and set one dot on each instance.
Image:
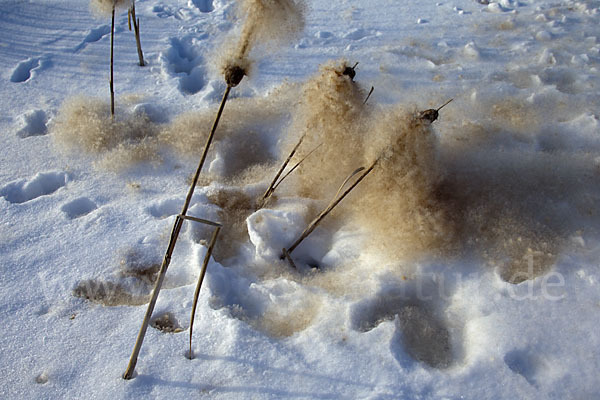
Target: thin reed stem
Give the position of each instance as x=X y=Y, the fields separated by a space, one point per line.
x=294 y=168
x=369 y=95
x=209 y=251
x=112 y=45
x=136 y=30
x=173 y=240
x=270 y=189
x=336 y=200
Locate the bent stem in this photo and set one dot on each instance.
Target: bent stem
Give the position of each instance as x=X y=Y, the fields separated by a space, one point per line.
x=173 y=240
x=336 y=200
x=271 y=187
x=211 y=246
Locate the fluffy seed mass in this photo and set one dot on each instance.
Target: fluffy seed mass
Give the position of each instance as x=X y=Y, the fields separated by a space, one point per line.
x=266 y=23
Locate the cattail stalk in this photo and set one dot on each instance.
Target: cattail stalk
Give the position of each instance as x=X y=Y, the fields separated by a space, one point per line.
x=112 y=43
x=136 y=30
x=211 y=246
x=369 y=95
x=336 y=200
x=173 y=240
x=270 y=189
x=275 y=183
x=294 y=168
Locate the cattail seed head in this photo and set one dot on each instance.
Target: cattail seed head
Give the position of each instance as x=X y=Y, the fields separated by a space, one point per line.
x=234 y=75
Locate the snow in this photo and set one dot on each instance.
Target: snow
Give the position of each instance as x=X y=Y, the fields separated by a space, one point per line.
x=83 y=230
x=42 y=184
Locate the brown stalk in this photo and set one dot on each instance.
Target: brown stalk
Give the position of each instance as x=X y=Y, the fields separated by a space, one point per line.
x=209 y=251
x=275 y=184
x=369 y=95
x=136 y=29
x=112 y=42
x=294 y=168
x=173 y=240
x=336 y=200
x=270 y=189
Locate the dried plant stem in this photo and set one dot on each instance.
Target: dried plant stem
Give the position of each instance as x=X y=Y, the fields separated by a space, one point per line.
x=444 y=105
x=275 y=184
x=289 y=258
x=112 y=45
x=211 y=246
x=271 y=187
x=174 y=236
x=336 y=200
x=136 y=30
x=369 y=95
x=294 y=168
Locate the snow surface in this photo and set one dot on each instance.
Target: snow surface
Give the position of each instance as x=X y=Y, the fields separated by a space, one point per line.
x=524 y=78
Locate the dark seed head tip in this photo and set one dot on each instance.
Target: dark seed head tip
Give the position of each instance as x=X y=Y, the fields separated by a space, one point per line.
x=350 y=71
x=234 y=75
x=429 y=115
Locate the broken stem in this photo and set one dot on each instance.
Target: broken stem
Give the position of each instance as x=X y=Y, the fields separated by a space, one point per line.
x=336 y=200
x=211 y=246
x=174 y=236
